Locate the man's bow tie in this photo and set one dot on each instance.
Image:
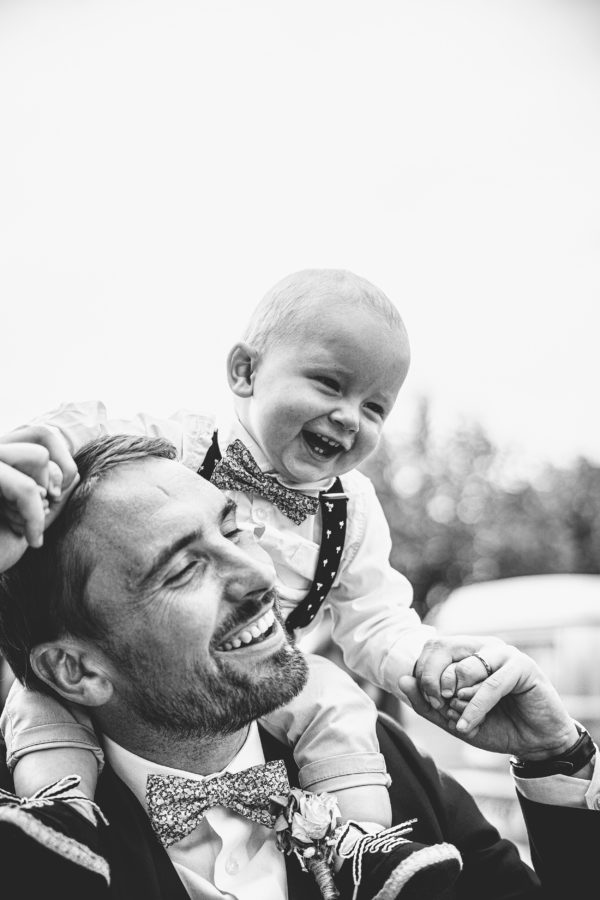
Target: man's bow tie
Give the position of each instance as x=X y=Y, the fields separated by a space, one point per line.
x=176 y=805
x=239 y=471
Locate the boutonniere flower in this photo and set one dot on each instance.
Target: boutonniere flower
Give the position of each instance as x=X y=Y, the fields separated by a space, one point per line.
x=305 y=824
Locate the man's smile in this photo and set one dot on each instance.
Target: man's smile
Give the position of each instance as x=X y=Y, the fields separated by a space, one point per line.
x=254 y=633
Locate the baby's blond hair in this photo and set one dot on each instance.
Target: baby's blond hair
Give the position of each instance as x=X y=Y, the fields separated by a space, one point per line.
x=287 y=304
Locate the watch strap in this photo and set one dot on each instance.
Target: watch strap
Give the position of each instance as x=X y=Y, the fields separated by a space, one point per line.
x=567 y=763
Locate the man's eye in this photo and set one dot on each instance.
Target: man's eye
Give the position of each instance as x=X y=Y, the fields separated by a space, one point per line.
x=232 y=533
x=182 y=576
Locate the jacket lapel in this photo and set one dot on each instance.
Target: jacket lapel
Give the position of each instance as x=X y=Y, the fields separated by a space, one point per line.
x=301 y=885
x=140 y=866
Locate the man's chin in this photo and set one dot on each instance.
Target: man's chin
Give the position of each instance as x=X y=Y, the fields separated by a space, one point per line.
x=279 y=678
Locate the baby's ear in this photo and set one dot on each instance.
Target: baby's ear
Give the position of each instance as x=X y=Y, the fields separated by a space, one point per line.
x=241 y=363
x=73 y=670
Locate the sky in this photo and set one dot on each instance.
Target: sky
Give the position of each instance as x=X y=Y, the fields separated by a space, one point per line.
x=164 y=162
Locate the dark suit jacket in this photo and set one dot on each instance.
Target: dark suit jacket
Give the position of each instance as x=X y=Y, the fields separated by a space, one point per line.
x=141 y=869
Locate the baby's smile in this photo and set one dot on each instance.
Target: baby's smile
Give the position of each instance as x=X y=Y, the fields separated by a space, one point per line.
x=321 y=445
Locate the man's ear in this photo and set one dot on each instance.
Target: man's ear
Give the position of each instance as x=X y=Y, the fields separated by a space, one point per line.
x=241 y=364
x=73 y=670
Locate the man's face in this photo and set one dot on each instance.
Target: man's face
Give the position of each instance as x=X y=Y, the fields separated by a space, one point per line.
x=187 y=600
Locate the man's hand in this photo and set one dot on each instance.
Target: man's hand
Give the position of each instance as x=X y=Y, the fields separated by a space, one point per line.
x=515 y=710
x=447 y=664
x=34 y=465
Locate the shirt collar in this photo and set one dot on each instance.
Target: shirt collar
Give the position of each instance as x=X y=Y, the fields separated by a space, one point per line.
x=134 y=770
x=239 y=432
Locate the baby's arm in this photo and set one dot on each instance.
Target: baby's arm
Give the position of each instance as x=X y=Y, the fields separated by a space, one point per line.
x=190 y=433
x=374 y=622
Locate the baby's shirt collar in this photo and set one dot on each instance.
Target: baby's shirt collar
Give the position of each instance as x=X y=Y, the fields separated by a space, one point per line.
x=238 y=432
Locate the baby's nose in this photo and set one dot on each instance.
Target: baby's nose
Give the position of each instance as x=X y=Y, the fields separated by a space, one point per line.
x=347 y=416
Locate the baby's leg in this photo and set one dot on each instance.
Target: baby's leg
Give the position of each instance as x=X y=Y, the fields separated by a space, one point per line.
x=331 y=726
x=46 y=741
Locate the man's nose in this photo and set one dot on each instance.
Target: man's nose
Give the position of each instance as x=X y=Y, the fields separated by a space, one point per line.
x=347 y=415
x=250 y=571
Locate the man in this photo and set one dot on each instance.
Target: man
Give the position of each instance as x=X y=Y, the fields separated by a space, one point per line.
x=128 y=610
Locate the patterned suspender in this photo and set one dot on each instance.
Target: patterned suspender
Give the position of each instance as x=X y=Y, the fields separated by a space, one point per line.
x=334 y=511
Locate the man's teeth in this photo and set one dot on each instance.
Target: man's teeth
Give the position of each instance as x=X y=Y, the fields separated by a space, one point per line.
x=252 y=633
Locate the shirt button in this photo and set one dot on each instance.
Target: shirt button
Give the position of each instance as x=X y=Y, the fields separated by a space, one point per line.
x=260 y=514
x=232 y=866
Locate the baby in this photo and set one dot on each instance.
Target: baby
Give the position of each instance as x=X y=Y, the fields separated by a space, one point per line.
x=314 y=379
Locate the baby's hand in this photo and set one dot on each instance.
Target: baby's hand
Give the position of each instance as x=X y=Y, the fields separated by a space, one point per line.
x=451 y=663
x=33 y=471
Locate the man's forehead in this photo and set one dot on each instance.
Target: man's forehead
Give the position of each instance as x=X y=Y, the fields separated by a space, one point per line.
x=151 y=479
x=141 y=504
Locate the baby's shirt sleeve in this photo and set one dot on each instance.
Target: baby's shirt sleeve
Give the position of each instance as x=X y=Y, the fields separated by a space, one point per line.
x=33 y=721
x=191 y=433
x=380 y=634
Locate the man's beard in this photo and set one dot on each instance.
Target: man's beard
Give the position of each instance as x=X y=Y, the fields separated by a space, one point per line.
x=221 y=701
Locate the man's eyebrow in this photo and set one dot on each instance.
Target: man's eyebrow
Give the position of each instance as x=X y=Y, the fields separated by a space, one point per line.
x=167 y=553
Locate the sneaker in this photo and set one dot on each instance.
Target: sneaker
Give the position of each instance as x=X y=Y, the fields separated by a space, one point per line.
x=386 y=866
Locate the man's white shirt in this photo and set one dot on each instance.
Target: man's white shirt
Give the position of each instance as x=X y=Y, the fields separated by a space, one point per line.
x=226 y=855
x=563 y=790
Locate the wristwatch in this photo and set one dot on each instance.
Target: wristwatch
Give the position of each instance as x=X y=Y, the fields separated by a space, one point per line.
x=572 y=760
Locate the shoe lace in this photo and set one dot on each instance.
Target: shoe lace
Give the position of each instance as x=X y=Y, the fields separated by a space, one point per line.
x=379 y=842
x=59 y=790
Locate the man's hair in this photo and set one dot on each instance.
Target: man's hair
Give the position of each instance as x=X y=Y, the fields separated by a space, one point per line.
x=43 y=596
x=288 y=304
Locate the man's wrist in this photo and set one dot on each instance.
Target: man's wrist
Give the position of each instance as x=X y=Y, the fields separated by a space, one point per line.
x=575 y=758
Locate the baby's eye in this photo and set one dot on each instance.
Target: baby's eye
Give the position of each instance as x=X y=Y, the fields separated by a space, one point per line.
x=376 y=408
x=328 y=382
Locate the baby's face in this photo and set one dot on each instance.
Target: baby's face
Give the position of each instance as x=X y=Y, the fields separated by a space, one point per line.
x=320 y=400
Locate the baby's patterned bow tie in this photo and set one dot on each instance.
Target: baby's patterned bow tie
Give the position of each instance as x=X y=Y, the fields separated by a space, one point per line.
x=239 y=471
x=176 y=805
